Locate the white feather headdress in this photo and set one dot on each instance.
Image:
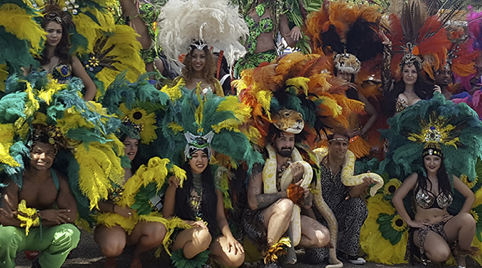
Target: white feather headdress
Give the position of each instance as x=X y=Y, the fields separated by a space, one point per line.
x=214 y=22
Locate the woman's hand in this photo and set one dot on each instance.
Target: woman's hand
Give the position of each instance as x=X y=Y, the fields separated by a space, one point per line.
x=437 y=88
x=295 y=33
x=200 y=224
x=174 y=181
x=123 y=211
x=59 y=216
x=418 y=224
x=385 y=40
x=233 y=244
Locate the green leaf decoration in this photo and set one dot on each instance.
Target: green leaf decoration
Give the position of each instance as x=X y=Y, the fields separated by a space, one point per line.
x=198 y=261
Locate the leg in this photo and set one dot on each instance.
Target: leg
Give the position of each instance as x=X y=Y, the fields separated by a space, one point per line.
x=277 y=218
x=314 y=234
x=351 y=215
x=291 y=255
x=461 y=228
x=434 y=245
x=146 y=235
x=193 y=241
x=11 y=239
x=112 y=241
x=219 y=249
x=64 y=238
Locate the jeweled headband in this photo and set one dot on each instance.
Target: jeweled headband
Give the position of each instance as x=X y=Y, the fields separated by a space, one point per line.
x=432 y=148
x=196 y=143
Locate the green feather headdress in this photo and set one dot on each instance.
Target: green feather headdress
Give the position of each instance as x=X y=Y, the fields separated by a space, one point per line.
x=455 y=127
x=223 y=116
x=91 y=158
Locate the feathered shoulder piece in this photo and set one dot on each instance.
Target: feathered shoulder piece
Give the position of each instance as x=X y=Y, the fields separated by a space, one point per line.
x=455 y=128
x=417 y=33
x=139 y=105
x=207 y=22
x=209 y=122
x=83 y=133
x=300 y=83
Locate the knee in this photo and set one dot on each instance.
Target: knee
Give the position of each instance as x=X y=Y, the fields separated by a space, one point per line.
x=439 y=254
x=322 y=237
x=467 y=221
x=9 y=236
x=235 y=260
x=158 y=232
x=67 y=235
x=284 y=206
x=202 y=237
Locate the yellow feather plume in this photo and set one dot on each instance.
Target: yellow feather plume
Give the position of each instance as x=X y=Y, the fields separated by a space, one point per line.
x=7 y=132
x=175 y=127
x=27 y=216
x=17 y=22
x=172 y=224
x=299 y=82
x=174 y=92
x=110 y=219
x=89 y=28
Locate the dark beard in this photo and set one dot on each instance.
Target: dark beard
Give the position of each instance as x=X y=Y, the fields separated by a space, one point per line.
x=285 y=153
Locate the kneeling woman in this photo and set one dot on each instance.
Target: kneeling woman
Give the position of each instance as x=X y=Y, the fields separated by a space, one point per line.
x=200 y=204
x=433 y=229
x=113 y=239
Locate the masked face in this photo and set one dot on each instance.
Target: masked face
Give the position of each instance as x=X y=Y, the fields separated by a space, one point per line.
x=285 y=144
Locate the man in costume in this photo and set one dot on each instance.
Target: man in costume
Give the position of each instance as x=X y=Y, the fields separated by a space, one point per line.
x=39 y=212
x=346 y=202
x=276 y=193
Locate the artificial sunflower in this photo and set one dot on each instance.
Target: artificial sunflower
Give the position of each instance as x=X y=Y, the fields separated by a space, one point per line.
x=391 y=226
x=390 y=188
x=470 y=184
x=277 y=250
x=146 y=121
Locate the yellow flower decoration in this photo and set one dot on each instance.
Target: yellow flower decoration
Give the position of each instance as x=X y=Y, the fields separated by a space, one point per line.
x=475 y=215
x=277 y=250
x=398 y=223
x=391 y=186
x=141 y=118
x=467 y=182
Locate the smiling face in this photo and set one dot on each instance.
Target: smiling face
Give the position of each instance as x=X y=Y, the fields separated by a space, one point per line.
x=131 y=147
x=42 y=156
x=198 y=60
x=409 y=74
x=443 y=77
x=344 y=76
x=198 y=162
x=54 y=33
x=338 y=146
x=432 y=163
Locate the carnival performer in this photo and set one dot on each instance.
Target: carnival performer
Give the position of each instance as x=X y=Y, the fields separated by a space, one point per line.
x=192 y=28
x=200 y=204
x=264 y=24
x=55 y=58
x=200 y=67
x=433 y=229
x=38 y=214
x=347 y=203
x=145 y=235
x=443 y=78
x=124 y=219
x=273 y=197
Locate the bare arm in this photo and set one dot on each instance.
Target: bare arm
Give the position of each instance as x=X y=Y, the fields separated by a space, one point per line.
x=466 y=192
x=221 y=217
x=401 y=192
x=79 y=71
x=370 y=111
x=256 y=198
x=65 y=201
x=10 y=205
x=285 y=31
x=169 y=201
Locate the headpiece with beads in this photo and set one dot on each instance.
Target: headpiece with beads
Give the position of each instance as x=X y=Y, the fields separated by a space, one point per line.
x=432 y=148
x=196 y=143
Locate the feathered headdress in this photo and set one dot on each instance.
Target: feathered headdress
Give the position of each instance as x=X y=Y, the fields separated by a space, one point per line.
x=211 y=22
x=89 y=152
x=455 y=128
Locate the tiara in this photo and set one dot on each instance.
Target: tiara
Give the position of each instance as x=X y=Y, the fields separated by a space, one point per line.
x=409 y=58
x=199 y=44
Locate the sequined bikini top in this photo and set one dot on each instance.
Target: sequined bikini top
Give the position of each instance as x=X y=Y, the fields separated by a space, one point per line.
x=62 y=73
x=426 y=199
x=401 y=105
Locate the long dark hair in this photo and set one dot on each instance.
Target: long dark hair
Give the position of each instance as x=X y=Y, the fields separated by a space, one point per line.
x=209 y=67
x=53 y=13
x=444 y=184
x=209 y=198
x=422 y=88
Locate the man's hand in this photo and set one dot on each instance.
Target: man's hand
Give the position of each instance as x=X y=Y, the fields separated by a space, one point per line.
x=58 y=216
x=297 y=169
x=307 y=199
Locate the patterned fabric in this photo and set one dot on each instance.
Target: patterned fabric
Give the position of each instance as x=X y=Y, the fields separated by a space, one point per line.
x=253 y=60
x=264 y=25
x=350 y=214
x=253 y=224
x=437 y=228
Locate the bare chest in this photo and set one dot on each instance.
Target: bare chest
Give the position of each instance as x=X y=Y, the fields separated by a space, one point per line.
x=39 y=195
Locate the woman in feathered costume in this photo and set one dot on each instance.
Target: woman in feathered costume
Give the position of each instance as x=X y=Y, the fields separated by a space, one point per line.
x=191 y=28
x=451 y=129
x=56 y=57
x=127 y=216
x=196 y=128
